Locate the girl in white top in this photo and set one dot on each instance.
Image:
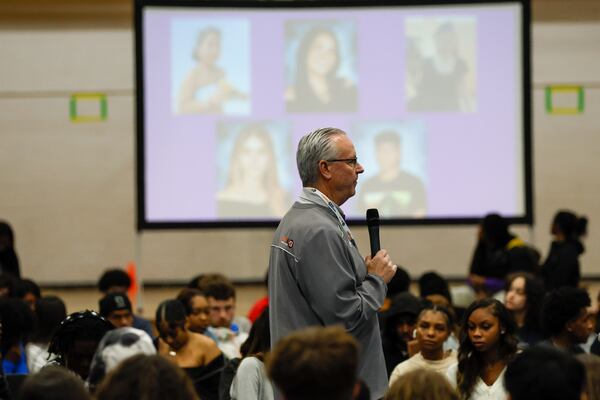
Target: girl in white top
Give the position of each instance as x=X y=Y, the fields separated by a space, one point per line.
x=487 y=344
x=434 y=325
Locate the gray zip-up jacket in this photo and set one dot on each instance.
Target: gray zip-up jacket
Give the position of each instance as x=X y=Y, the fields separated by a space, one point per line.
x=318 y=277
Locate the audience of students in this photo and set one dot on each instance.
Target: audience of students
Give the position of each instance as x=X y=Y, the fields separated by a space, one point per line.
x=206 y=351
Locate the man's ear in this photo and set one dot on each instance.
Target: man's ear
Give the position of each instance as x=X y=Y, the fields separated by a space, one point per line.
x=324 y=170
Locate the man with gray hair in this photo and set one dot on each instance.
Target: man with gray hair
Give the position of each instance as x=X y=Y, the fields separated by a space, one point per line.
x=316 y=273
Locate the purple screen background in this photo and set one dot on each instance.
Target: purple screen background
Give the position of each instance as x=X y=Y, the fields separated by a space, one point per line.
x=473 y=160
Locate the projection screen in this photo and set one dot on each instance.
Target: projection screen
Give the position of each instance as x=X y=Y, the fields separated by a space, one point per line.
x=435 y=98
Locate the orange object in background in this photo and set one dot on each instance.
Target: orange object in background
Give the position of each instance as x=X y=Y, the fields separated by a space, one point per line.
x=132 y=291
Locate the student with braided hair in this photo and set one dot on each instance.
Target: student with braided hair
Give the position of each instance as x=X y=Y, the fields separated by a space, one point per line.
x=76 y=339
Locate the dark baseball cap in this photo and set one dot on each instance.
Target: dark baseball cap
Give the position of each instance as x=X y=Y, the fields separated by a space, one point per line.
x=114 y=302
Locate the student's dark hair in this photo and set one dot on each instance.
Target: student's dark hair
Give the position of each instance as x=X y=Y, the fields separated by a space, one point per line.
x=25 y=286
x=400 y=282
x=7 y=233
x=217 y=286
x=422 y=384
x=569 y=224
x=561 y=306
x=194 y=283
x=185 y=297
x=429 y=306
x=495 y=230
x=470 y=361
x=544 y=373
x=146 y=377
x=433 y=283
x=113 y=277
x=53 y=383
x=17 y=320
x=50 y=311
x=170 y=311
x=534 y=293
x=315 y=363
x=82 y=325
x=259 y=338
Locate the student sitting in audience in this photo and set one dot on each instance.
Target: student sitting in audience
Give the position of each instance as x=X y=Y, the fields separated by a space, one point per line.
x=50 y=311
x=523 y=298
x=117 y=281
x=76 y=341
x=230 y=331
x=422 y=384
x=115 y=347
x=316 y=364
x=148 y=378
x=561 y=267
x=196 y=354
x=197 y=311
x=435 y=289
x=116 y=308
x=53 y=383
x=9 y=261
x=28 y=291
x=400 y=323
x=567 y=319
x=497 y=254
x=250 y=381
x=17 y=324
x=434 y=325
x=487 y=345
x=544 y=373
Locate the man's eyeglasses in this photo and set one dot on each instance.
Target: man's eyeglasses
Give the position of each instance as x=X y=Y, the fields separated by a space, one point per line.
x=350 y=161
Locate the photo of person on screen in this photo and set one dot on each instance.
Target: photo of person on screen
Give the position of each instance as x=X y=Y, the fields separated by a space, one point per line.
x=252 y=188
x=394 y=192
x=318 y=85
x=206 y=88
x=440 y=80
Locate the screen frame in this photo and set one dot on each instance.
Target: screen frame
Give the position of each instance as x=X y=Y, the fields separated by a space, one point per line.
x=526 y=124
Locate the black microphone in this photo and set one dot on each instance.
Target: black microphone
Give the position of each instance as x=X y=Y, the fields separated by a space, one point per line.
x=373 y=224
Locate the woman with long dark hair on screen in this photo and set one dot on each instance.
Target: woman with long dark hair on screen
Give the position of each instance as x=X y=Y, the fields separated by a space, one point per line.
x=487 y=344
x=317 y=86
x=561 y=267
x=205 y=88
x=252 y=188
x=523 y=299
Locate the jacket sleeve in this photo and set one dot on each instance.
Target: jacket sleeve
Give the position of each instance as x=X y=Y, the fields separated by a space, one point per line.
x=330 y=282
